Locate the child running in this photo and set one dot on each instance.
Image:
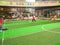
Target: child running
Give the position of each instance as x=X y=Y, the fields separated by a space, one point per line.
x=33 y=18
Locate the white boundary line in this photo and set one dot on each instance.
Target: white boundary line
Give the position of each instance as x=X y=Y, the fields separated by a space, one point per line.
x=28 y=33
x=43 y=29
x=2 y=37
x=54 y=32
x=49 y=30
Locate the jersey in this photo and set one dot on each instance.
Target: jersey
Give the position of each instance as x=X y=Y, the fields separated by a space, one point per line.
x=1 y=21
x=33 y=17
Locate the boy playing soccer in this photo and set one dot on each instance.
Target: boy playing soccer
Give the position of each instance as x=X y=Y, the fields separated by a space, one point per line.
x=33 y=18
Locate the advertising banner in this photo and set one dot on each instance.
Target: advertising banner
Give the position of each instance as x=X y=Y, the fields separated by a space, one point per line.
x=33 y=4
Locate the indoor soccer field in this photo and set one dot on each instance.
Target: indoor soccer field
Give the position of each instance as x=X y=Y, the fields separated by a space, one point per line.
x=26 y=32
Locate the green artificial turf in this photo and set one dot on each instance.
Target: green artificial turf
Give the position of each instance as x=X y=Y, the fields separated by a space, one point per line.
x=24 y=23
x=20 y=34
x=26 y=28
x=39 y=38
x=13 y=23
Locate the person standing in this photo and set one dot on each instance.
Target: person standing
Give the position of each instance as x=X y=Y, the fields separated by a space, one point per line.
x=1 y=21
x=33 y=18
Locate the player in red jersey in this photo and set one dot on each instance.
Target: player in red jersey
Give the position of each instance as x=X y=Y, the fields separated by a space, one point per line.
x=1 y=21
x=33 y=18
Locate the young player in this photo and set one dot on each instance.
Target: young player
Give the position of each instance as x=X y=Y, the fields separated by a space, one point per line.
x=1 y=21
x=33 y=18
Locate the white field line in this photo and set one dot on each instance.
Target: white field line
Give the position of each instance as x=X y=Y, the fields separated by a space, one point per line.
x=53 y=32
x=43 y=29
x=2 y=38
x=28 y=33
x=49 y=30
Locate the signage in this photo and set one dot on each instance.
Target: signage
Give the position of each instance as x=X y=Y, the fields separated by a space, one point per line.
x=11 y=3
